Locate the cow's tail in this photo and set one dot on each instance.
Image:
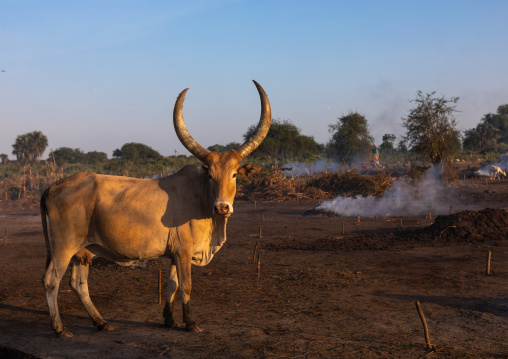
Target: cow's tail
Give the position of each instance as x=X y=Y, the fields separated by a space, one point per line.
x=44 y=211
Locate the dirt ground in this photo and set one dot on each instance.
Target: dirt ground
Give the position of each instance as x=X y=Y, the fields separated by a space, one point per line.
x=319 y=294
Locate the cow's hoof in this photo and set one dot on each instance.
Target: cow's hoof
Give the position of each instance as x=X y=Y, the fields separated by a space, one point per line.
x=105 y=327
x=64 y=334
x=193 y=328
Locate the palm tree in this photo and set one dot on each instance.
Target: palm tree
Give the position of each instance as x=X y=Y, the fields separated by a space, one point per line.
x=30 y=146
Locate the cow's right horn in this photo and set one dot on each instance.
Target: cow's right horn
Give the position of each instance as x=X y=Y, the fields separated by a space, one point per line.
x=263 y=126
x=181 y=130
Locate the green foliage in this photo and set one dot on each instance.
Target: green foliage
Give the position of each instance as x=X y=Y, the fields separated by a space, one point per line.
x=389 y=137
x=137 y=153
x=222 y=149
x=95 y=157
x=30 y=146
x=499 y=121
x=481 y=138
x=430 y=126
x=490 y=135
x=386 y=149
x=67 y=155
x=351 y=138
x=285 y=142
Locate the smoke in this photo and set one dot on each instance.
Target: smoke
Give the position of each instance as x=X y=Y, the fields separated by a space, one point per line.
x=402 y=199
x=502 y=163
x=293 y=169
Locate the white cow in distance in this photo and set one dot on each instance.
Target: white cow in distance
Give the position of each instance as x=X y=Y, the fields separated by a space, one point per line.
x=496 y=172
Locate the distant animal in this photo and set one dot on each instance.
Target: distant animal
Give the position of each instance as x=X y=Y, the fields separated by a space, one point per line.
x=182 y=217
x=496 y=172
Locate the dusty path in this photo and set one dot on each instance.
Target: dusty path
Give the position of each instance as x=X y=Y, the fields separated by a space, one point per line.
x=308 y=303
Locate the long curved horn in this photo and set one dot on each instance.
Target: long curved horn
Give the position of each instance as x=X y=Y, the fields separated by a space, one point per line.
x=181 y=130
x=263 y=126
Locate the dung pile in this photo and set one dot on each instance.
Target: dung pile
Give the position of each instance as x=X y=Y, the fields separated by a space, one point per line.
x=352 y=184
x=470 y=226
x=276 y=187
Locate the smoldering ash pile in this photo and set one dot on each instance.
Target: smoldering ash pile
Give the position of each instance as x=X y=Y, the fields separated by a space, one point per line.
x=402 y=199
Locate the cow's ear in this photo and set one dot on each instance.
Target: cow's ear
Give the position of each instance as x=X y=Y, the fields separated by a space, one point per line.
x=248 y=170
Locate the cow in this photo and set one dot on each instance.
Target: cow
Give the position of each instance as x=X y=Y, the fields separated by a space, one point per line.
x=496 y=172
x=182 y=217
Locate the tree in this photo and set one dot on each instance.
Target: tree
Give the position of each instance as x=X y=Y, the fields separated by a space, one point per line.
x=351 y=138
x=137 y=153
x=4 y=158
x=67 y=155
x=500 y=122
x=284 y=142
x=389 y=137
x=430 y=126
x=95 y=157
x=222 y=149
x=387 y=146
x=30 y=146
x=481 y=138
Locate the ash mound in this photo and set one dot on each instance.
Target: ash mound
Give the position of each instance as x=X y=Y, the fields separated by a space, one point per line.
x=488 y=225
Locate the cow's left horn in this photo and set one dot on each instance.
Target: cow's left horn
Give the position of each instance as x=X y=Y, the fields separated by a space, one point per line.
x=181 y=130
x=263 y=126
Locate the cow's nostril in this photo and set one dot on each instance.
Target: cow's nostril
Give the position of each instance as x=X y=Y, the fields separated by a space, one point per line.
x=221 y=208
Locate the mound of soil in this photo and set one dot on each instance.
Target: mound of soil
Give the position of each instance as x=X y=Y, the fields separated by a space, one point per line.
x=470 y=226
x=352 y=184
x=464 y=227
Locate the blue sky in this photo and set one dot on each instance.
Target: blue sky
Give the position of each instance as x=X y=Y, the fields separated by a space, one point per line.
x=97 y=74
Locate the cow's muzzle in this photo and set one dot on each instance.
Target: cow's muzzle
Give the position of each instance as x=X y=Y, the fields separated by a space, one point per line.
x=223 y=209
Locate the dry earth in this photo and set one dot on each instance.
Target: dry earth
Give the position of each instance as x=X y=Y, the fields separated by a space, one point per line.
x=320 y=294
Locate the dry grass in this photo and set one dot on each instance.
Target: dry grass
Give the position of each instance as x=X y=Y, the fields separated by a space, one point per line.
x=30 y=185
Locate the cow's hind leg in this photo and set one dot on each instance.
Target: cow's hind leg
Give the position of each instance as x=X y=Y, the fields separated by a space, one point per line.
x=54 y=272
x=79 y=282
x=169 y=319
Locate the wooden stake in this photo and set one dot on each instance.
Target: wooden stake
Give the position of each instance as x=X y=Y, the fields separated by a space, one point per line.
x=254 y=253
x=425 y=328
x=254 y=204
x=342 y=227
x=259 y=266
x=260 y=235
x=358 y=218
x=488 y=262
x=400 y=222
x=430 y=216
x=376 y=216
x=160 y=287
x=5 y=235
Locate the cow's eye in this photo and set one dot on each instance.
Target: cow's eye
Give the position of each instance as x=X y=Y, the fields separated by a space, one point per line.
x=234 y=175
x=210 y=176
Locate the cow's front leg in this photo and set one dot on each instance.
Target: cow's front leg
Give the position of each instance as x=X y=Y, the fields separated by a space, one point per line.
x=183 y=267
x=168 y=315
